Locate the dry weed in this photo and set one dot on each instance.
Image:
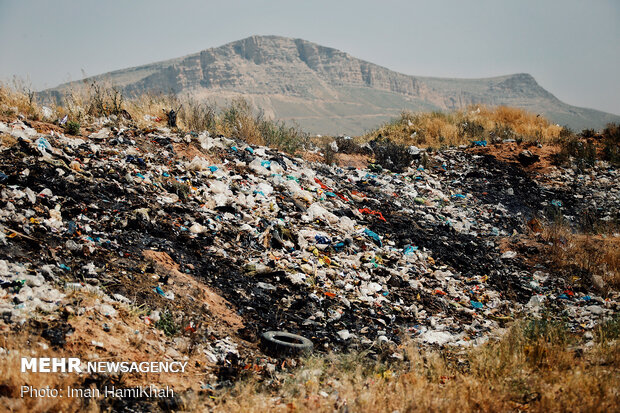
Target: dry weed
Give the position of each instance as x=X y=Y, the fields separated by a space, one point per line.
x=598 y=255
x=536 y=366
x=437 y=129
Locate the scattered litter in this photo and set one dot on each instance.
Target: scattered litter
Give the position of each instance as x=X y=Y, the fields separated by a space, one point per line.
x=342 y=256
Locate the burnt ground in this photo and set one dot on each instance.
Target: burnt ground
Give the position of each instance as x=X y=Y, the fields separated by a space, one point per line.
x=102 y=198
x=107 y=202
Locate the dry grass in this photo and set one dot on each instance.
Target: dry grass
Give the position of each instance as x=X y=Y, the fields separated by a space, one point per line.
x=147 y=110
x=536 y=366
x=238 y=119
x=596 y=254
x=87 y=103
x=523 y=123
x=18 y=99
x=437 y=129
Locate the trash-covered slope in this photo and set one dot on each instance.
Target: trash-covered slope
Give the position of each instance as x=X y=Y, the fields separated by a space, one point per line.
x=216 y=241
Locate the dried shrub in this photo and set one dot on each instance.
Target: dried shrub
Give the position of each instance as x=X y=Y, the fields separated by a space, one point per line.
x=437 y=129
x=329 y=156
x=104 y=101
x=392 y=156
x=581 y=153
x=198 y=116
x=587 y=254
x=347 y=145
x=611 y=143
x=289 y=138
x=19 y=98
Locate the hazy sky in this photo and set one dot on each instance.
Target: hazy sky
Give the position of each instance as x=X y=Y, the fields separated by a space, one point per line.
x=572 y=48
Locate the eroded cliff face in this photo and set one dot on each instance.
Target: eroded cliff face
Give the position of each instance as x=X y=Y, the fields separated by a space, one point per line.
x=278 y=65
x=328 y=91
x=339 y=68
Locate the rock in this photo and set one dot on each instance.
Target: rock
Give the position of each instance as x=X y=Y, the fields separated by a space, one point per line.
x=598 y=282
x=527 y=158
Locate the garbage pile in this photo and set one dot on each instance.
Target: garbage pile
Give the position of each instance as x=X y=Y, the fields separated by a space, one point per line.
x=348 y=258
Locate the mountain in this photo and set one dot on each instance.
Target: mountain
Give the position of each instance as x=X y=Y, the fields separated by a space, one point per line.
x=328 y=91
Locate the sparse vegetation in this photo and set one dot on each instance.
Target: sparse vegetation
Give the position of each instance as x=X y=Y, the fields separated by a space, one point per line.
x=72 y=127
x=328 y=153
x=348 y=145
x=167 y=324
x=585 y=148
x=438 y=129
x=179 y=188
x=104 y=100
x=19 y=98
x=390 y=155
x=588 y=258
x=238 y=120
x=574 y=149
x=539 y=365
x=611 y=144
x=282 y=136
x=198 y=115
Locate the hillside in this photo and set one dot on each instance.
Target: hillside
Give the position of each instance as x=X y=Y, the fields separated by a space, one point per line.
x=328 y=91
x=457 y=281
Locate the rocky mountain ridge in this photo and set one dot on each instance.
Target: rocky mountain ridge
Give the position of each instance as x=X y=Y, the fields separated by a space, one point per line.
x=328 y=91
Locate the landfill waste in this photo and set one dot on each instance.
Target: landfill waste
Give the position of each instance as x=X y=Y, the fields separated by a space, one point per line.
x=220 y=241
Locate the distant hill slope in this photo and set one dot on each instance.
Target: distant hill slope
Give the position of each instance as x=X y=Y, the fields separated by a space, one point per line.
x=328 y=91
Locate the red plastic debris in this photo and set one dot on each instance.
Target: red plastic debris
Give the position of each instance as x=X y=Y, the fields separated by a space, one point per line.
x=371 y=212
x=321 y=184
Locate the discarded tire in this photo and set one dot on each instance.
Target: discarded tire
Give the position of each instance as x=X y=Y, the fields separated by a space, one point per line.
x=280 y=343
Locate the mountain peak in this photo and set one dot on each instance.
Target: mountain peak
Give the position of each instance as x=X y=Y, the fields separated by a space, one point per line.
x=329 y=91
